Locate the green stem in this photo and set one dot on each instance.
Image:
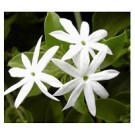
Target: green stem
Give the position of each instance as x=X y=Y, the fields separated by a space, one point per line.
x=11 y=103
x=78 y=19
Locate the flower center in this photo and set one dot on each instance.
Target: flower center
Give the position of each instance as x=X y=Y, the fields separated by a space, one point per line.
x=85 y=78
x=83 y=42
x=32 y=73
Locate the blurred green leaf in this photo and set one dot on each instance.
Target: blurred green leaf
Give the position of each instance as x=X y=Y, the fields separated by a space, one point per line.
x=52 y=24
x=44 y=109
x=113 y=22
x=123 y=97
x=13 y=115
x=116 y=44
x=110 y=110
x=25 y=18
x=119 y=84
x=74 y=116
x=7 y=25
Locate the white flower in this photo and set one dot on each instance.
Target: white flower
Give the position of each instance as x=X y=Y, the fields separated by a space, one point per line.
x=33 y=73
x=85 y=79
x=80 y=41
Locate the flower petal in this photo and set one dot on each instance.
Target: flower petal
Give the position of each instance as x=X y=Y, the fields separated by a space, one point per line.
x=63 y=36
x=69 y=69
x=76 y=60
x=93 y=54
x=43 y=88
x=43 y=62
x=101 y=47
x=74 y=95
x=73 y=50
x=84 y=61
x=69 y=27
x=99 y=89
x=17 y=72
x=26 y=61
x=67 y=87
x=97 y=35
x=36 y=53
x=49 y=79
x=90 y=99
x=96 y=62
x=84 y=31
x=23 y=93
x=16 y=86
x=104 y=75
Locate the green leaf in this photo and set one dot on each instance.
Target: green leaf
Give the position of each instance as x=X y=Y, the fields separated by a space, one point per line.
x=119 y=84
x=13 y=115
x=52 y=24
x=80 y=104
x=7 y=25
x=113 y=22
x=74 y=116
x=110 y=110
x=123 y=97
x=17 y=61
x=116 y=44
x=44 y=109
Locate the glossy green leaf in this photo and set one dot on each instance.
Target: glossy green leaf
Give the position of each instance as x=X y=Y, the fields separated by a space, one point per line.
x=44 y=109
x=113 y=22
x=52 y=24
x=74 y=116
x=110 y=110
x=116 y=44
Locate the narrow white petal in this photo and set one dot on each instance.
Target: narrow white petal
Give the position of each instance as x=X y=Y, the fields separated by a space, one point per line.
x=90 y=99
x=43 y=62
x=26 y=61
x=69 y=27
x=96 y=62
x=63 y=36
x=84 y=60
x=17 y=72
x=36 y=53
x=97 y=35
x=101 y=47
x=23 y=93
x=74 y=95
x=73 y=50
x=43 y=88
x=99 y=89
x=69 y=69
x=16 y=86
x=93 y=54
x=49 y=79
x=76 y=60
x=67 y=87
x=84 y=31
x=104 y=75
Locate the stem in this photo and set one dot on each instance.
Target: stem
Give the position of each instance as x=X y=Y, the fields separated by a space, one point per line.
x=78 y=19
x=11 y=103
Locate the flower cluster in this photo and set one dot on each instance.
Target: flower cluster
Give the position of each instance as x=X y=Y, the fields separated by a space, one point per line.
x=85 y=71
